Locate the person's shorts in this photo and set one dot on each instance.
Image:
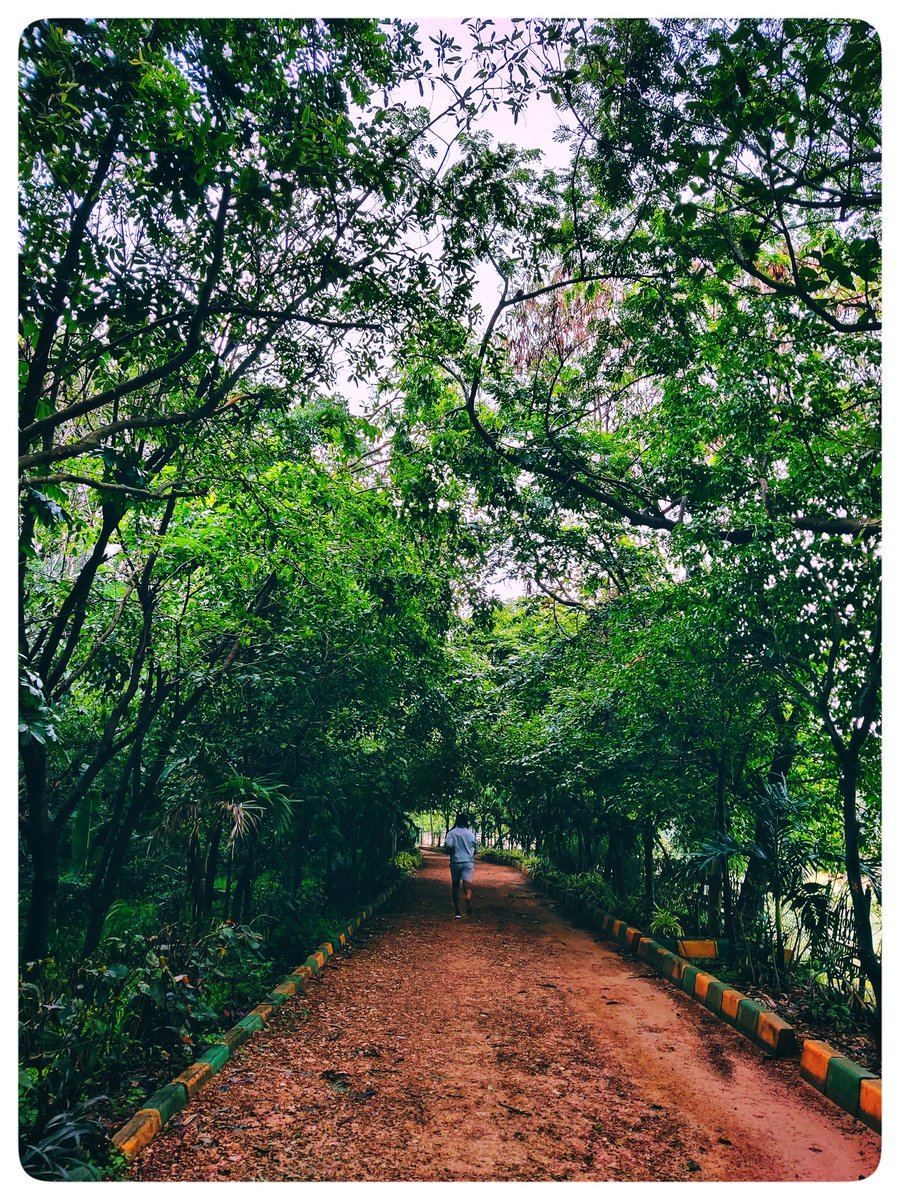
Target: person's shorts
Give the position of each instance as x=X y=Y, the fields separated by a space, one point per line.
x=465 y=871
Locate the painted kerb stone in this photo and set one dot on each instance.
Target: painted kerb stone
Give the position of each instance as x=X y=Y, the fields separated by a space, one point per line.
x=164 y=1103
x=138 y=1133
x=843 y=1082
x=167 y=1101
x=870 y=1103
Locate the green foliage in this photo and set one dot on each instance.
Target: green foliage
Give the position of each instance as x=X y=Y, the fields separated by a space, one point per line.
x=506 y=858
x=258 y=632
x=407 y=861
x=665 y=922
x=68 y=1146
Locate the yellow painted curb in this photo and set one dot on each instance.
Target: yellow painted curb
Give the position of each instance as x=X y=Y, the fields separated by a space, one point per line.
x=697 y=948
x=263 y=1010
x=193 y=1078
x=701 y=985
x=730 y=1001
x=814 y=1062
x=769 y=1028
x=234 y=1037
x=287 y=988
x=138 y=1133
x=870 y=1102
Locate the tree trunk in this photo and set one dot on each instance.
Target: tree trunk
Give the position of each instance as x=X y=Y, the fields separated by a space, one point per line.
x=105 y=882
x=615 y=867
x=759 y=870
x=195 y=876
x=229 y=876
x=647 y=835
x=43 y=848
x=250 y=878
x=714 y=900
x=870 y=963
x=211 y=868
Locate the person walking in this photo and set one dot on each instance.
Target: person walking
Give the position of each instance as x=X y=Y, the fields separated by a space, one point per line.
x=460 y=844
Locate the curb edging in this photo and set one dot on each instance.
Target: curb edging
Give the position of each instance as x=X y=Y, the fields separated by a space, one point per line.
x=848 y=1085
x=158 y=1109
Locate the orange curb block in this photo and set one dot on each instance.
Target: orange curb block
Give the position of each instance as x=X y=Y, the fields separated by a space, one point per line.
x=701 y=985
x=148 y=1122
x=138 y=1133
x=771 y=1030
x=194 y=1077
x=730 y=1001
x=643 y=946
x=870 y=1103
x=676 y=969
x=697 y=948
x=814 y=1062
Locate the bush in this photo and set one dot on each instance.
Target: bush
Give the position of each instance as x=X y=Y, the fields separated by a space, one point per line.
x=505 y=858
x=666 y=923
x=66 y=1146
x=407 y=861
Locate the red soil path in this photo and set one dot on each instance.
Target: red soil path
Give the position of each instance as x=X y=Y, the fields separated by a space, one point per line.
x=507 y=1046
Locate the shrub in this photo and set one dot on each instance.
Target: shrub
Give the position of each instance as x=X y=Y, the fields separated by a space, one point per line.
x=666 y=923
x=407 y=861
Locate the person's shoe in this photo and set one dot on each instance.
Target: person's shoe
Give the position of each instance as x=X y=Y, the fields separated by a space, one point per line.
x=459 y=916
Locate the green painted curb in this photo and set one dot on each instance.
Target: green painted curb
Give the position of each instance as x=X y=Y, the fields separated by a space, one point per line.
x=647 y=949
x=714 y=996
x=664 y=962
x=253 y=1022
x=171 y=1099
x=235 y=1036
x=687 y=979
x=748 y=1018
x=217 y=1056
x=168 y=1100
x=842 y=1083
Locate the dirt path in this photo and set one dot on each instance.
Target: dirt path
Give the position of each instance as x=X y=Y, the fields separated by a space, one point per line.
x=508 y=1046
